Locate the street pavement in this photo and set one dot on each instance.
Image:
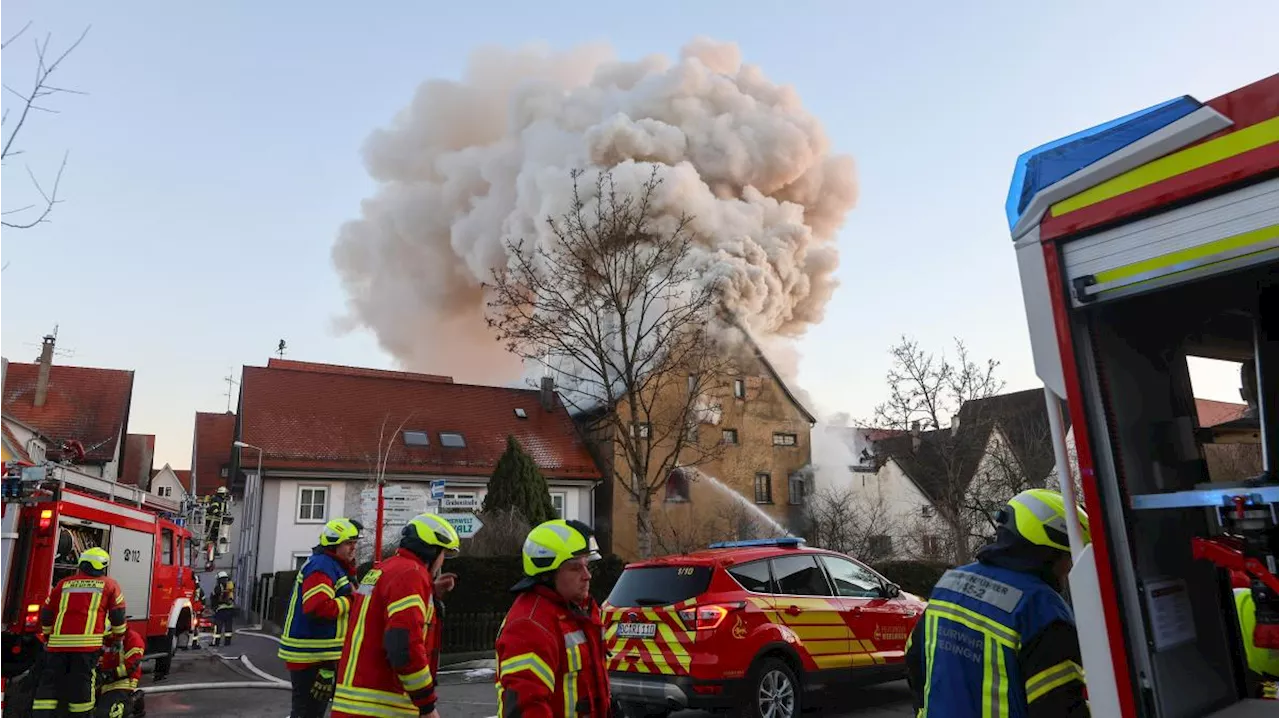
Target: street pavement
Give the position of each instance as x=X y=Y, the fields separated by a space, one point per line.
x=465 y=691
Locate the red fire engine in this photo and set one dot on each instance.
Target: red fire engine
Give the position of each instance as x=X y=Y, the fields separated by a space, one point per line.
x=53 y=512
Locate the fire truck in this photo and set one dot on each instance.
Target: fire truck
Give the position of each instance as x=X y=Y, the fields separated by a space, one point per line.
x=1142 y=243
x=52 y=513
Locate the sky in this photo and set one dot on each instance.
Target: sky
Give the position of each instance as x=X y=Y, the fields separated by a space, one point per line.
x=216 y=152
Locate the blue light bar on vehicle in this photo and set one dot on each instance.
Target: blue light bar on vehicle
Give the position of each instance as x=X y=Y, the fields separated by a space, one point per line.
x=792 y=541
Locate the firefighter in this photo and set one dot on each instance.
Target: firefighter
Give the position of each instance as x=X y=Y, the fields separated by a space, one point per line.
x=316 y=622
x=1261 y=662
x=551 y=657
x=387 y=667
x=224 y=608
x=119 y=671
x=84 y=611
x=997 y=637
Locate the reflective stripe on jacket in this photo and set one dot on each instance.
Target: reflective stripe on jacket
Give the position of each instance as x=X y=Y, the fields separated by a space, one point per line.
x=81 y=611
x=386 y=669
x=996 y=643
x=1262 y=661
x=316 y=623
x=124 y=667
x=224 y=594
x=551 y=659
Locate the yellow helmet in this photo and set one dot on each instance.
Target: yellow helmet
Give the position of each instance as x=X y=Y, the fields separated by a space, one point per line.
x=339 y=531
x=1039 y=517
x=432 y=531
x=552 y=543
x=97 y=558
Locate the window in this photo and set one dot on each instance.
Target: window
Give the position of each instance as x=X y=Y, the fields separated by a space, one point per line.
x=797 y=489
x=739 y=389
x=659 y=585
x=799 y=576
x=312 y=502
x=784 y=439
x=729 y=436
x=299 y=560
x=521 y=414
x=223 y=472
x=881 y=545
x=851 y=580
x=753 y=576
x=932 y=545
x=166 y=547
x=693 y=383
x=452 y=440
x=691 y=432
x=557 y=503
x=416 y=438
x=164 y=491
x=926 y=511
x=640 y=430
x=677 y=486
x=764 y=489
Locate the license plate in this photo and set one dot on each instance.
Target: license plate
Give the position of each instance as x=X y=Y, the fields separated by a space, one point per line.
x=637 y=630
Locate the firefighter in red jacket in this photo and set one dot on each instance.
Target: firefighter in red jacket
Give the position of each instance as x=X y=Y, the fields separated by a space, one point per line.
x=82 y=612
x=387 y=667
x=118 y=674
x=551 y=657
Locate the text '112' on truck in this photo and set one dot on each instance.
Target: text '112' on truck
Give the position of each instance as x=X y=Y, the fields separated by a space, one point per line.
x=1143 y=243
x=52 y=513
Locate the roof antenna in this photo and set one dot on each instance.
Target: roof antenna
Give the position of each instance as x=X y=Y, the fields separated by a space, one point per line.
x=280 y=349
x=231 y=383
x=60 y=352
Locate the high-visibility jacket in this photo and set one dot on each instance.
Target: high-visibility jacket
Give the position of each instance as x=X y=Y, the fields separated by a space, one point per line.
x=316 y=623
x=386 y=668
x=81 y=611
x=1262 y=661
x=224 y=594
x=551 y=658
x=124 y=665
x=995 y=643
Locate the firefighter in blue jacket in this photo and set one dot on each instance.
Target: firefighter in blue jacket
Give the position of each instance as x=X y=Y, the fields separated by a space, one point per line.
x=316 y=623
x=997 y=638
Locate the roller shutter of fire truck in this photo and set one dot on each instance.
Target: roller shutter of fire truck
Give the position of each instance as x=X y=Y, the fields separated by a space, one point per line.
x=1222 y=233
x=132 y=554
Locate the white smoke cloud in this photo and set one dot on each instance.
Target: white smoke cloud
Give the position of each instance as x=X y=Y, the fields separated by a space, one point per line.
x=470 y=164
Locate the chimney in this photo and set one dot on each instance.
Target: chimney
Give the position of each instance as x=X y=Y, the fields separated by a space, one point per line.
x=915 y=435
x=955 y=424
x=547 y=393
x=46 y=363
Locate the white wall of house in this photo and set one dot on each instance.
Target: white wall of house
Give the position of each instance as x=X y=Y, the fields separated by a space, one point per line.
x=30 y=443
x=907 y=514
x=293 y=513
x=167 y=484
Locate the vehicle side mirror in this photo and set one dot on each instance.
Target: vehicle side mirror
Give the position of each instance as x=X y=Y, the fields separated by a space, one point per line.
x=891 y=590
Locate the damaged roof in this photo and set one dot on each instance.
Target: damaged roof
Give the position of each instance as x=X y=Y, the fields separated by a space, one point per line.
x=84 y=404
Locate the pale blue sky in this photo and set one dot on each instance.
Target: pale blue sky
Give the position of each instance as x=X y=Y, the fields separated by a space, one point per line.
x=217 y=152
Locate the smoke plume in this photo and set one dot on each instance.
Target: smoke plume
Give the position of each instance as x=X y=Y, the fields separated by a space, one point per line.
x=470 y=164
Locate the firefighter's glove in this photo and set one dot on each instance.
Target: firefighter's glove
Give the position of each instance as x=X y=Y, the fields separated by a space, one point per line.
x=122 y=671
x=322 y=688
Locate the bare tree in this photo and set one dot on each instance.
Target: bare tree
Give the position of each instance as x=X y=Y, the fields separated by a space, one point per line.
x=925 y=388
x=32 y=100
x=378 y=461
x=503 y=534
x=613 y=305
x=850 y=522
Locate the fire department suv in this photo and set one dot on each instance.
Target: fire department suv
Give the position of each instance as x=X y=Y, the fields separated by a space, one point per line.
x=51 y=514
x=751 y=625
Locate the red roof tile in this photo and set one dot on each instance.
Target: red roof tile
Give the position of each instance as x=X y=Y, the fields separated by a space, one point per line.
x=355 y=371
x=86 y=404
x=212 y=450
x=1212 y=413
x=139 y=452
x=309 y=419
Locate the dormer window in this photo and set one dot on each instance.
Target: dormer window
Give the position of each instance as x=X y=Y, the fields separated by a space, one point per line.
x=452 y=440
x=522 y=414
x=416 y=438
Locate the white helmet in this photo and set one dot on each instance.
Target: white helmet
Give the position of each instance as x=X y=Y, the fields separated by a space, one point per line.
x=223 y=574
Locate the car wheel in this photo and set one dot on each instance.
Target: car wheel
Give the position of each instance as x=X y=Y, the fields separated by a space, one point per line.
x=773 y=691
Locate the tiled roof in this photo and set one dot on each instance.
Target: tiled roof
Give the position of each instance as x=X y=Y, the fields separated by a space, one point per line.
x=212 y=449
x=1212 y=413
x=18 y=451
x=139 y=452
x=86 y=404
x=308 y=418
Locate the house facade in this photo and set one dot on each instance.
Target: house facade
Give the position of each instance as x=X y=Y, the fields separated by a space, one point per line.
x=752 y=439
x=80 y=414
x=171 y=483
x=325 y=432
